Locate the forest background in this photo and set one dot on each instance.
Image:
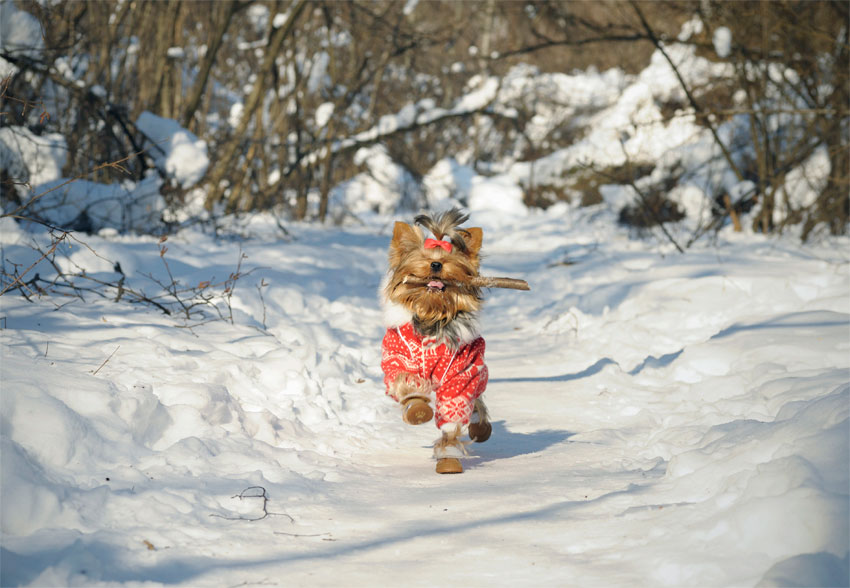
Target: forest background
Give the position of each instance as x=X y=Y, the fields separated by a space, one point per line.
x=288 y=100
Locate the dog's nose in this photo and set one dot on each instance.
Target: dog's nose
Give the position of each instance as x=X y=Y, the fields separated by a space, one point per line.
x=436 y=266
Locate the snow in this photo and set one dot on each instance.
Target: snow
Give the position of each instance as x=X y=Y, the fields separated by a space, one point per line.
x=20 y=35
x=804 y=183
x=383 y=187
x=176 y=151
x=659 y=419
x=280 y=19
x=82 y=204
x=448 y=183
x=34 y=158
x=722 y=41
x=318 y=77
x=497 y=194
x=324 y=113
x=409 y=7
x=76 y=203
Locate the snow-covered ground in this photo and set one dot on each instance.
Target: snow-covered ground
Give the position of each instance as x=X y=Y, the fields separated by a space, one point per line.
x=660 y=419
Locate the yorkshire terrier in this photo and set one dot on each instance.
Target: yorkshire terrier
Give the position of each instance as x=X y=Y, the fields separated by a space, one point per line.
x=432 y=347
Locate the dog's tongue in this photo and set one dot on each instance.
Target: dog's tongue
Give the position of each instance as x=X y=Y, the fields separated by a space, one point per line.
x=436 y=284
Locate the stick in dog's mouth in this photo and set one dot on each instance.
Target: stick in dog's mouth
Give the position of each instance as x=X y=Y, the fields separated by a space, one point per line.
x=474 y=282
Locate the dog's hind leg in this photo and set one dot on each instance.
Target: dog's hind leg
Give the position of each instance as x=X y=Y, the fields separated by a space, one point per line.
x=479 y=424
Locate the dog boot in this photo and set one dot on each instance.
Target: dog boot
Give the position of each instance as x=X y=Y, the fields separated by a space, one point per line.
x=448 y=449
x=479 y=424
x=449 y=465
x=416 y=411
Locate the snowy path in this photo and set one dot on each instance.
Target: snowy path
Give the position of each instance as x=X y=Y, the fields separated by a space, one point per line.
x=659 y=420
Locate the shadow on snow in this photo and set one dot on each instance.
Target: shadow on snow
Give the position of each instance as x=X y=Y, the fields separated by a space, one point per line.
x=504 y=444
x=101 y=560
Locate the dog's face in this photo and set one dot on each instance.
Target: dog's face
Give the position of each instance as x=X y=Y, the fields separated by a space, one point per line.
x=442 y=264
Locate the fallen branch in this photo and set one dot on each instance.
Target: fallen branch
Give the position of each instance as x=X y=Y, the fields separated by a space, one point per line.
x=104 y=361
x=475 y=282
x=258 y=492
x=18 y=279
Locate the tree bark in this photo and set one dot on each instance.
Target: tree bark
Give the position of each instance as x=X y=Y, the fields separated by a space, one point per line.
x=255 y=99
x=225 y=10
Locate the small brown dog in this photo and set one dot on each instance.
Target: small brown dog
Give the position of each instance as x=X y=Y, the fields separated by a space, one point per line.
x=432 y=346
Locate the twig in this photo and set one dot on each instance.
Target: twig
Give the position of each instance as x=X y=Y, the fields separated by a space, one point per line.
x=172 y=287
x=105 y=360
x=230 y=283
x=694 y=104
x=262 y=494
x=112 y=164
x=647 y=208
x=260 y=287
x=302 y=535
x=36 y=262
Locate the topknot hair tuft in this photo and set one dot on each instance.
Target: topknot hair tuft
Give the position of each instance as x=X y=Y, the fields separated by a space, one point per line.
x=446 y=224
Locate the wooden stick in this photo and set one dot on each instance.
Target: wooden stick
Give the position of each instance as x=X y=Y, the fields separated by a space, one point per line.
x=477 y=282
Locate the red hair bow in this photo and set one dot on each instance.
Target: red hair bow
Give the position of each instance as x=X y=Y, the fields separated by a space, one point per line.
x=432 y=243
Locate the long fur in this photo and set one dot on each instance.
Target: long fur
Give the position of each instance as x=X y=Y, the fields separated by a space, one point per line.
x=449 y=315
x=407 y=386
x=446 y=224
x=449 y=443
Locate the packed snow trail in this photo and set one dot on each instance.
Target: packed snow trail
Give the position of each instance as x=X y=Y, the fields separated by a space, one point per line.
x=659 y=419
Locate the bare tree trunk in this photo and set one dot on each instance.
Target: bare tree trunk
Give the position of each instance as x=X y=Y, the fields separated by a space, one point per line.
x=833 y=204
x=243 y=175
x=167 y=26
x=325 y=188
x=225 y=12
x=486 y=38
x=102 y=69
x=225 y=163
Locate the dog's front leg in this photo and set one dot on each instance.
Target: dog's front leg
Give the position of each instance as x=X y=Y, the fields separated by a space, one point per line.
x=413 y=392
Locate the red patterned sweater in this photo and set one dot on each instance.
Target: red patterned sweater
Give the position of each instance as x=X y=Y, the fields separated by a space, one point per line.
x=458 y=376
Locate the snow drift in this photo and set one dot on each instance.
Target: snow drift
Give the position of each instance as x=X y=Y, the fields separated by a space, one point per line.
x=659 y=419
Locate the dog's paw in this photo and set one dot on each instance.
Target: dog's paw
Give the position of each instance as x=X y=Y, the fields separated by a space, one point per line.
x=416 y=411
x=480 y=432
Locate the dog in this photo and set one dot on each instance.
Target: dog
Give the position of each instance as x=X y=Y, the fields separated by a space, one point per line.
x=432 y=347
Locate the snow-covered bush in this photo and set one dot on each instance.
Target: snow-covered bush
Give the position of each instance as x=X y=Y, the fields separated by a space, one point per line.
x=691 y=108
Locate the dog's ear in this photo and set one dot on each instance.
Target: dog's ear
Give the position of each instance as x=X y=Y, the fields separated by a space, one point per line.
x=473 y=238
x=405 y=238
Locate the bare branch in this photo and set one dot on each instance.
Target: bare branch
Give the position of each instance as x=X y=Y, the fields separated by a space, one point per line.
x=696 y=106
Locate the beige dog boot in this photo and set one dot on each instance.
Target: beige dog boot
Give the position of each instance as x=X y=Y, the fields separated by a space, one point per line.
x=449 y=465
x=448 y=449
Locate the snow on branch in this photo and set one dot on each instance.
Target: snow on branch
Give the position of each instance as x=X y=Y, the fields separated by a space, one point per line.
x=477 y=103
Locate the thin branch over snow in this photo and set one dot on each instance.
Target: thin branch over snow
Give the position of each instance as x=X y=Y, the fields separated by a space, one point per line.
x=254 y=492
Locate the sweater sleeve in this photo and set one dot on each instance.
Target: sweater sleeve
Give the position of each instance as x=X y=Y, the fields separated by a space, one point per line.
x=395 y=358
